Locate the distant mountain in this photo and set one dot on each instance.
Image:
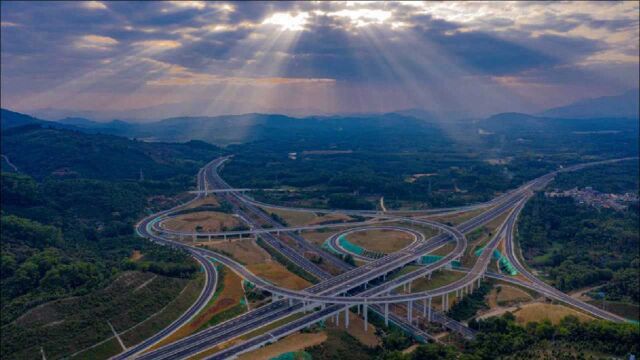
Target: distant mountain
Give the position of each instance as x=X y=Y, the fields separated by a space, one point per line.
x=625 y=105
x=43 y=151
x=113 y=127
x=80 y=122
x=9 y=119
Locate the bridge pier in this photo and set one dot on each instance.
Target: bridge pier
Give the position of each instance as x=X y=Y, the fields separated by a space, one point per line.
x=410 y=311
x=290 y=301
x=424 y=307
x=346 y=316
x=444 y=305
x=429 y=308
x=386 y=314
x=366 y=317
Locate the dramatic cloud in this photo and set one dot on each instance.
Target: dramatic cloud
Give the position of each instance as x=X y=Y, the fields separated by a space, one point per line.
x=221 y=57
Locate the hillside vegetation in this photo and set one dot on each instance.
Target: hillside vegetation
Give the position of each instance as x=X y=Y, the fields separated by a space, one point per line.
x=70 y=234
x=580 y=246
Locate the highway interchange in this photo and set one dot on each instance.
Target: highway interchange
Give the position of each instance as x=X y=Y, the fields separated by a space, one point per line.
x=366 y=286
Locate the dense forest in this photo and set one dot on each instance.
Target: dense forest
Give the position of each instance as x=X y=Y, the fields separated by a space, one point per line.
x=578 y=246
x=498 y=338
x=71 y=233
x=42 y=151
x=350 y=162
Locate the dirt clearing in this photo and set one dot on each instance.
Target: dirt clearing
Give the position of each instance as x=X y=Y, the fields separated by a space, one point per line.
x=383 y=241
x=279 y=275
x=244 y=250
x=204 y=221
x=541 y=311
x=291 y=343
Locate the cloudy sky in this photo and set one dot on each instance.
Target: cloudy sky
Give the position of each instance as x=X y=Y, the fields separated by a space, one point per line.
x=194 y=57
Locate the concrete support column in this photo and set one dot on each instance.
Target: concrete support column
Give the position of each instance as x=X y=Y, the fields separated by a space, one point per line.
x=429 y=276
x=480 y=278
x=366 y=317
x=337 y=318
x=346 y=316
x=290 y=302
x=409 y=285
x=424 y=308
x=386 y=314
x=429 y=309
x=444 y=305
x=410 y=311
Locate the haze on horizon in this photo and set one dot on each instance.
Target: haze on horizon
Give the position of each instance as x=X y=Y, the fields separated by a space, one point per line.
x=302 y=58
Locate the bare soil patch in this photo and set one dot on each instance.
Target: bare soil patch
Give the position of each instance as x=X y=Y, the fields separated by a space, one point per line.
x=383 y=241
x=291 y=343
x=318 y=237
x=330 y=218
x=505 y=295
x=356 y=329
x=208 y=201
x=244 y=250
x=136 y=255
x=541 y=311
x=205 y=221
x=230 y=295
x=279 y=275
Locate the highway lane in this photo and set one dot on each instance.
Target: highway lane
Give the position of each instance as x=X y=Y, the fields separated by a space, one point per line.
x=373 y=270
x=211 y=281
x=546 y=289
x=484 y=217
x=211 y=174
x=190 y=346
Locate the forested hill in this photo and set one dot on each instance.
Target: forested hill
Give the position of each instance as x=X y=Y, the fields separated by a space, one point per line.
x=42 y=151
x=67 y=221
